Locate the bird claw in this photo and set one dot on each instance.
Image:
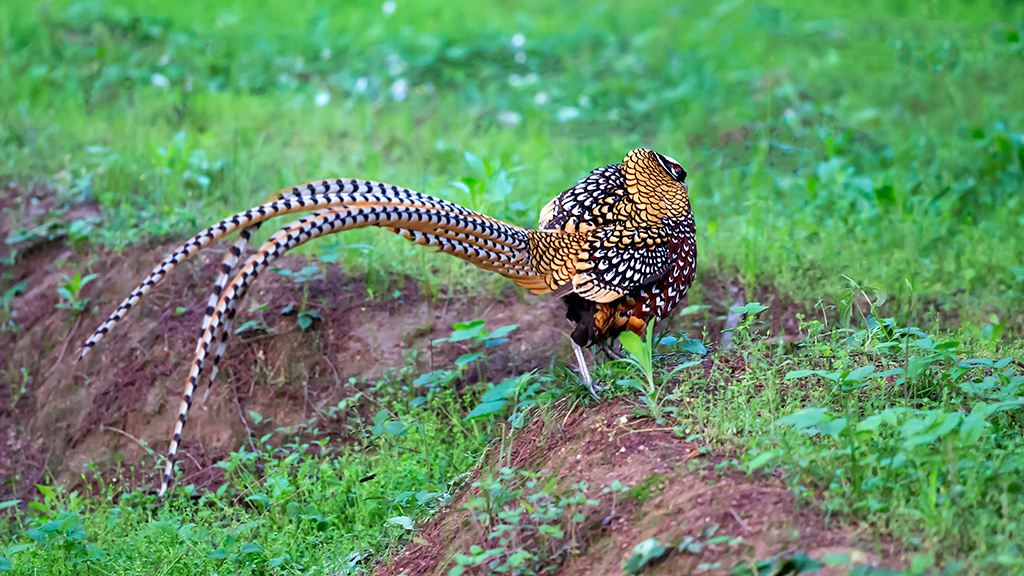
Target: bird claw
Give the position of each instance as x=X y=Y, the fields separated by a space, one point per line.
x=595 y=388
x=612 y=352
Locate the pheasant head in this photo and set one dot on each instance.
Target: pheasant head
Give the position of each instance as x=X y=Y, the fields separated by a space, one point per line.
x=656 y=188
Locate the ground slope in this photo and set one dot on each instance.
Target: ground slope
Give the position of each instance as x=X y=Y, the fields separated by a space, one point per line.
x=680 y=489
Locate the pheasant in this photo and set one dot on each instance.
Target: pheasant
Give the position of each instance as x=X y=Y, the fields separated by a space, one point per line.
x=619 y=248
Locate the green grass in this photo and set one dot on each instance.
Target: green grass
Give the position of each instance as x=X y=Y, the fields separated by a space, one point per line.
x=914 y=434
x=845 y=157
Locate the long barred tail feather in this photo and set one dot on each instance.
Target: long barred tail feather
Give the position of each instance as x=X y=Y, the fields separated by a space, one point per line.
x=455 y=243
x=305 y=198
x=486 y=242
x=221 y=336
x=231 y=258
x=283 y=237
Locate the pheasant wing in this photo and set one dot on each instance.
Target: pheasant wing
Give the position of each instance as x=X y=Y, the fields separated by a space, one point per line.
x=616 y=261
x=588 y=203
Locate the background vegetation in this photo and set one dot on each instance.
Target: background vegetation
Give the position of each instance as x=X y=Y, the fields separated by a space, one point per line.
x=870 y=153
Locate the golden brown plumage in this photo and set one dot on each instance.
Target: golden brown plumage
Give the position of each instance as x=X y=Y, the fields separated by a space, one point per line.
x=618 y=247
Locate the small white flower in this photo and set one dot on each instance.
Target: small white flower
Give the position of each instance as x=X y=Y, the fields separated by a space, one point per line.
x=567 y=113
x=395 y=64
x=518 y=81
x=362 y=83
x=399 y=89
x=325 y=54
x=520 y=57
x=388 y=8
x=323 y=98
x=518 y=40
x=540 y=98
x=164 y=60
x=510 y=118
x=159 y=80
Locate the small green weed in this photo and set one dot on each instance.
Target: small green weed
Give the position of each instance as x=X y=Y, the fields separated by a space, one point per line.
x=475 y=334
x=305 y=317
x=70 y=292
x=645 y=554
x=646 y=489
x=655 y=401
x=528 y=525
x=7 y=317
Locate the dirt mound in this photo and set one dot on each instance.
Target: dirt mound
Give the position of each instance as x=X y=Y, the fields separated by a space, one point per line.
x=682 y=492
x=67 y=417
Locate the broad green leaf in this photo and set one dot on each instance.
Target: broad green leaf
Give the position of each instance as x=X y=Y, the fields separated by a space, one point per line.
x=760 y=460
x=805 y=418
x=262 y=500
x=933 y=426
x=691 y=309
x=833 y=427
x=466 y=325
x=694 y=346
x=552 y=530
x=974 y=425
x=502 y=331
x=486 y=409
x=251 y=548
x=645 y=554
x=503 y=390
x=870 y=424
x=794 y=374
x=633 y=344
x=861 y=373
x=748 y=309
x=403 y=521
x=468 y=358
x=520 y=557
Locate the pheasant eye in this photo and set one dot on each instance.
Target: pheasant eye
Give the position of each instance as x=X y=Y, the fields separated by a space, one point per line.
x=677 y=172
x=673 y=168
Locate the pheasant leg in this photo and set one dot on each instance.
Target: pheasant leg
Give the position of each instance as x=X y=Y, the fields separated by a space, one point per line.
x=611 y=351
x=593 y=387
